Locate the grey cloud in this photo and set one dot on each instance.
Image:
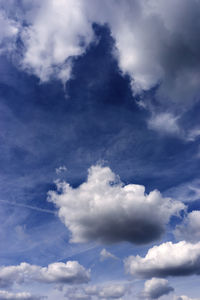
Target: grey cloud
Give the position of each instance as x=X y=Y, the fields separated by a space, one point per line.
x=70 y=273
x=102 y=209
x=156 y=287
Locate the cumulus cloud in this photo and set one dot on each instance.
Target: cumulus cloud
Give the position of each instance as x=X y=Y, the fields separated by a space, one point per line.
x=108 y=291
x=58 y=31
x=70 y=272
x=156 y=42
x=105 y=210
x=167 y=259
x=156 y=287
x=104 y=254
x=150 y=35
x=5 y=295
x=189 y=229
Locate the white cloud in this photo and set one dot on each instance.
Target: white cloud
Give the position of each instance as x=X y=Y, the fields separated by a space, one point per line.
x=189 y=229
x=103 y=291
x=60 y=170
x=58 y=31
x=185 y=192
x=71 y=272
x=156 y=42
x=112 y=291
x=104 y=254
x=5 y=295
x=165 y=123
x=185 y=298
x=167 y=259
x=156 y=287
x=150 y=35
x=8 y=33
x=105 y=210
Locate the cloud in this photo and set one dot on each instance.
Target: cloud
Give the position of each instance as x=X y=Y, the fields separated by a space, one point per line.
x=167 y=259
x=185 y=298
x=104 y=254
x=189 y=229
x=60 y=170
x=156 y=287
x=104 y=291
x=58 y=32
x=5 y=295
x=164 y=123
x=156 y=42
x=185 y=192
x=102 y=209
x=150 y=35
x=70 y=273
x=8 y=33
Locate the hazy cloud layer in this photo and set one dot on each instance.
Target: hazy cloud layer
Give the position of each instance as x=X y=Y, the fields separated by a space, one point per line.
x=103 y=209
x=156 y=287
x=168 y=259
x=71 y=272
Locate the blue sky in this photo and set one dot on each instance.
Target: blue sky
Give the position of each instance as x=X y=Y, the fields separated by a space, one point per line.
x=99 y=149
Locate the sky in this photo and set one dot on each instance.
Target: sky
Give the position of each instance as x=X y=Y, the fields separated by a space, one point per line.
x=99 y=149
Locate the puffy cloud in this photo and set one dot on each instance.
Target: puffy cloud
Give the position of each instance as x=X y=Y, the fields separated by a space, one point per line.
x=189 y=229
x=108 y=291
x=156 y=287
x=167 y=259
x=105 y=210
x=71 y=272
x=57 y=32
x=156 y=42
x=5 y=295
x=112 y=292
x=104 y=254
x=150 y=35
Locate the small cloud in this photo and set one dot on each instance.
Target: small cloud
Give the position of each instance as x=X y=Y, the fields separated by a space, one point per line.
x=60 y=170
x=156 y=287
x=104 y=254
x=164 y=123
x=189 y=229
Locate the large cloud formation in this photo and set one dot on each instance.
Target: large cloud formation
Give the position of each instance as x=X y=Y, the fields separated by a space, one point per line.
x=102 y=209
x=156 y=42
x=167 y=259
x=71 y=272
x=156 y=287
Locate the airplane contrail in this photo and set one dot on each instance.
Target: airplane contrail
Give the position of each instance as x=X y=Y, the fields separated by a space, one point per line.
x=29 y=206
